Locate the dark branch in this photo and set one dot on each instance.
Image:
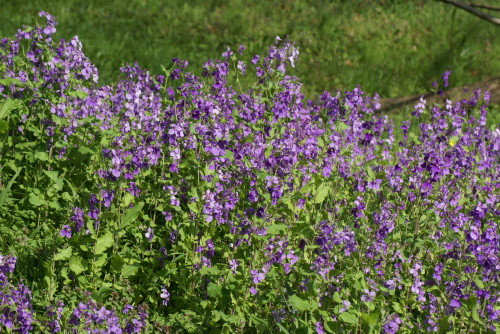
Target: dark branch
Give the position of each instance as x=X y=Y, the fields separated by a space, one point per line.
x=474 y=11
x=484 y=6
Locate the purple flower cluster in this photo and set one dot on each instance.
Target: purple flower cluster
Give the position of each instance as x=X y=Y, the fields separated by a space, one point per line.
x=16 y=312
x=315 y=197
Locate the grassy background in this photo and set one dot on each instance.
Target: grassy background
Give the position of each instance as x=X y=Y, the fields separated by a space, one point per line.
x=393 y=47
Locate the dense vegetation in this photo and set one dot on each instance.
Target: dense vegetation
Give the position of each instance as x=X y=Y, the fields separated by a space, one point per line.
x=185 y=203
x=393 y=47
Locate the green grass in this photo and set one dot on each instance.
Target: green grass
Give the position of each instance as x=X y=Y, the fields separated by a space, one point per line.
x=391 y=47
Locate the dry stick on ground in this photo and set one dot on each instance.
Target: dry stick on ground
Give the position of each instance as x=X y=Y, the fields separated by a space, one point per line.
x=474 y=11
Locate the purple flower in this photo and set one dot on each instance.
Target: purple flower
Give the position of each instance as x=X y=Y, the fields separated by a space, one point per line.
x=165 y=295
x=149 y=234
x=445 y=77
x=65 y=232
x=375 y=184
x=454 y=303
x=319 y=328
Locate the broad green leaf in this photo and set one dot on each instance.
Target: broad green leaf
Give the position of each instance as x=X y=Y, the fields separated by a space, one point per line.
x=371 y=175
x=41 y=156
x=53 y=175
x=274 y=229
x=11 y=81
x=336 y=298
x=63 y=254
x=131 y=215
x=268 y=151
x=103 y=242
x=214 y=290
x=77 y=93
x=302 y=304
x=116 y=263
x=129 y=270
x=7 y=106
x=86 y=150
x=229 y=155
x=75 y=264
x=321 y=194
x=35 y=200
x=479 y=283
x=348 y=318
x=341 y=126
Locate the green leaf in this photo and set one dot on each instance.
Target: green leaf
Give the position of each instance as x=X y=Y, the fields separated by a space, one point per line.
x=349 y=318
x=53 y=175
x=302 y=304
x=129 y=270
x=116 y=263
x=75 y=264
x=336 y=298
x=86 y=150
x=274 y=229
x=131 y=215
x=35 y=200
x=63 y=254
x=78 y=94
x=7 y=106
x=214 y=290
x=11 y=81
x=6 y=190
x=41 y=156
x=229 y=155
x=371 y=175
x=479 y=283
x=282 y=329
x=268 y=151
x=341 y=126
x=321 y=194
x=103 y=243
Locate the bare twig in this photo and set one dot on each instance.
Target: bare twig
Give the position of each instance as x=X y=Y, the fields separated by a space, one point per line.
x=472 y=10
x=484 y=6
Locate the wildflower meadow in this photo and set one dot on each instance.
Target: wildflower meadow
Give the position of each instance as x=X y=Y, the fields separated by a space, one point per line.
x=178 y=203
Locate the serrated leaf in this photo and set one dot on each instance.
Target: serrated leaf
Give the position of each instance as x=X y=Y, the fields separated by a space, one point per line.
x=103 y=242
x=348 y=318
x=131 y=215
x=63 y=254
x=129 y=270
x=75 y=264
